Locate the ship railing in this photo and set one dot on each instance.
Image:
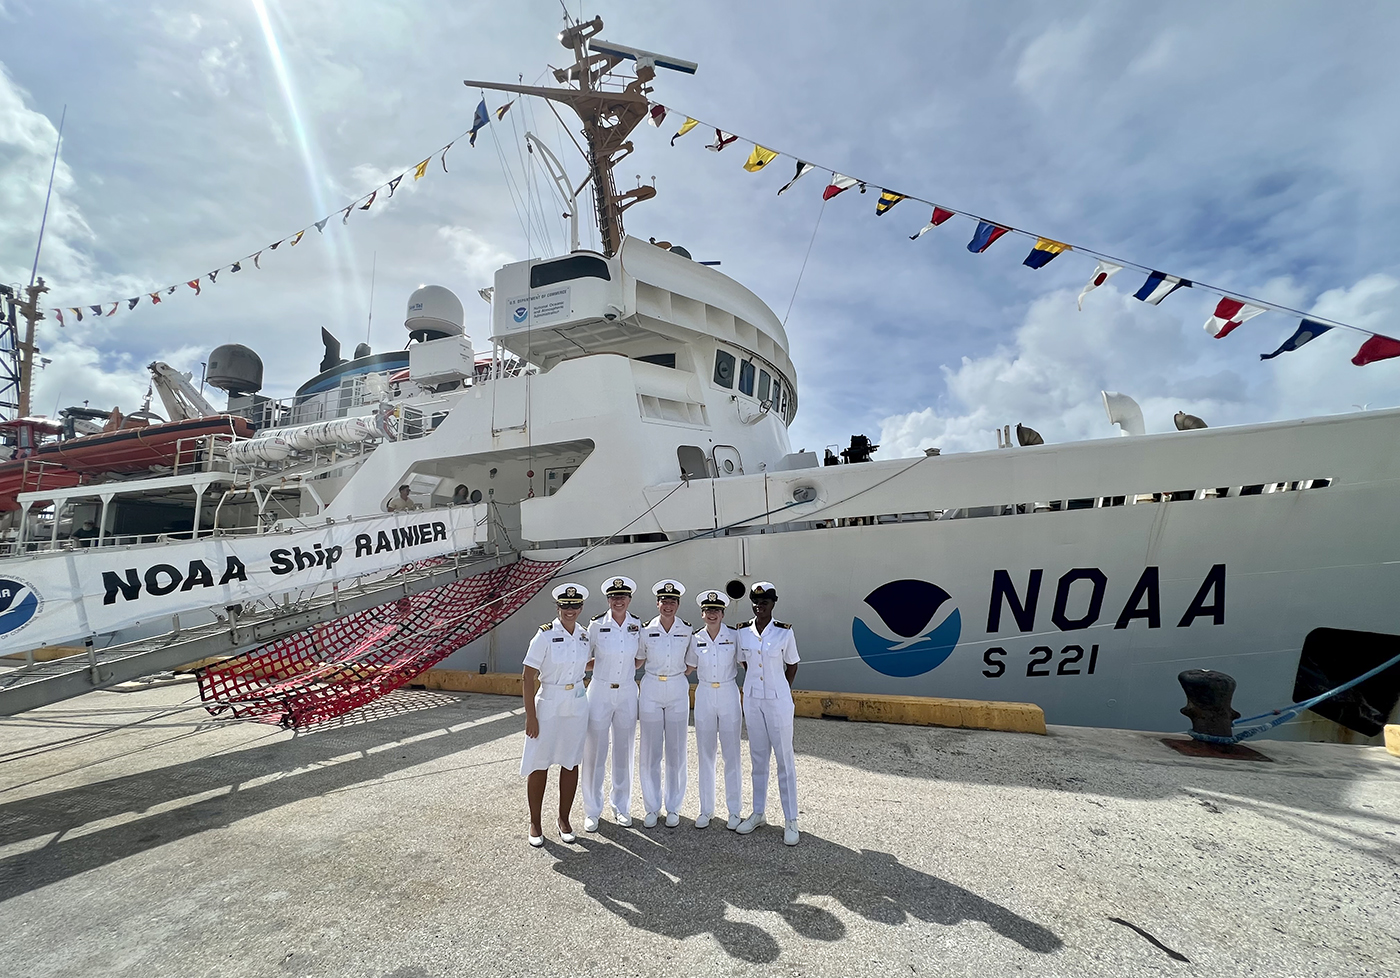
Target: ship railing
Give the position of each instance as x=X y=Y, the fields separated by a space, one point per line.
x=203 y=453
x=47 y=544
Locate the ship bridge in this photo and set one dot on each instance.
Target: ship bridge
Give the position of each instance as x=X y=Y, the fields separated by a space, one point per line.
x=652 y=305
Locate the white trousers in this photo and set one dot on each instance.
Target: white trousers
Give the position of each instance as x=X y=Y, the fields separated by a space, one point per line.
x=612 y=715
x=664 y=709
x=717 y=724
x=770 y=733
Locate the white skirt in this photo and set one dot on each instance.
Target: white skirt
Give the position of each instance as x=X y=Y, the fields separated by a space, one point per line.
x=563 y=718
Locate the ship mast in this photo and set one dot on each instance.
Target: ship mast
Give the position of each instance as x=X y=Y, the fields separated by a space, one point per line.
x=608 y=117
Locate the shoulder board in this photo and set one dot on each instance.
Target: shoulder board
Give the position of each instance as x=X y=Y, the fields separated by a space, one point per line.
x=699 y=630
x=598 y=615
x=744 y=624
x=630 y=615
x=687 y=624
x=546 y=626
x=781 y=624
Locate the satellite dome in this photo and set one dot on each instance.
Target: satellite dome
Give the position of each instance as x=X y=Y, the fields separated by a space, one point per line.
x=235 y=368
x=433 y=312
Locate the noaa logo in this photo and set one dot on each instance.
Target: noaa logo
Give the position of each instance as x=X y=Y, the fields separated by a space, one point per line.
x=520 y=313
x=914 y=629
x=19 y=603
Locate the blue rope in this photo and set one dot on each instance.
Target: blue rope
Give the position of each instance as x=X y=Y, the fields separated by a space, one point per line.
x=1284 y=714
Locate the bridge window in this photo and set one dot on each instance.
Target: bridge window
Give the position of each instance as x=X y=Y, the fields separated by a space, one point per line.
x=746 y=377
x=660 y=359
x=724 y=369
x=764 y=383
x=565 y=269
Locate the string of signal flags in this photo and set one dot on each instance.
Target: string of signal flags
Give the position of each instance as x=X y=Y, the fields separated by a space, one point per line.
x=1232 y=310
x=109 y=307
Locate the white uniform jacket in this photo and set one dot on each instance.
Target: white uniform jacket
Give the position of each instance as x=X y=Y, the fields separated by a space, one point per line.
x=560 y=703
x=615 y=649
x=716 y=660
x=765 y=657
x=664 y=652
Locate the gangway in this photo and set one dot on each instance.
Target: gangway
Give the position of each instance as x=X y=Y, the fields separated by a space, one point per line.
x=303 y=663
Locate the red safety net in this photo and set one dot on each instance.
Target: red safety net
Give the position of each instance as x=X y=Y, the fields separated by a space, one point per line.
x=332 y=668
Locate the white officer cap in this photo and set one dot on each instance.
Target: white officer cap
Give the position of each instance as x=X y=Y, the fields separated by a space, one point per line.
x=763 y=589
x=570 y=595
x=615 y=586
x=668 y=589
x=712 y=599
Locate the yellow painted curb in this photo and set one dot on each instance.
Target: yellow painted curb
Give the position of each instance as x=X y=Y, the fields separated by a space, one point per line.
x=924 y=711
x=49 y=652
x=1392 y=738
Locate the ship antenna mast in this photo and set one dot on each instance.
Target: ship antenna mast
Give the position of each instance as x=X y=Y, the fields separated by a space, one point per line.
x=608 y=117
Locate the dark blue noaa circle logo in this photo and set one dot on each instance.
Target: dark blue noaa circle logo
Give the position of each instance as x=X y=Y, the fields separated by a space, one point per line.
x=18 y=604
x=915 y=627
x=520 y=313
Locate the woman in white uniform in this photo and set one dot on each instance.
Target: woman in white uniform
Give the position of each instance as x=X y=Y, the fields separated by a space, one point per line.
x=768 y=649
x=714 y=657
x=556 y=717
x=664 y=704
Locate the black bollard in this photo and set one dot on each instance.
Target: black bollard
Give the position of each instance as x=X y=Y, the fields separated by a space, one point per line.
x=1208 y=695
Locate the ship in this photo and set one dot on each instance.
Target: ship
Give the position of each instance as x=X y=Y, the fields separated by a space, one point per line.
x=631 y=417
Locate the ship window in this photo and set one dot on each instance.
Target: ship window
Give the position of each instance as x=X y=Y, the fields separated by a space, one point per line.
x=575 y=266
x=724 y=369
x=764 y=385
x=660 y=359
x=777 y=395
x=746 y=377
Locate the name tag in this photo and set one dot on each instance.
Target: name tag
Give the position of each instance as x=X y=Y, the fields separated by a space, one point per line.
x=605 y=629
x=653 y=634
x=557 y=638
x=701 y=644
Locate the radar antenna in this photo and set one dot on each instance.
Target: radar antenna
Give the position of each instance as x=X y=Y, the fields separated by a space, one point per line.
x=608 y=117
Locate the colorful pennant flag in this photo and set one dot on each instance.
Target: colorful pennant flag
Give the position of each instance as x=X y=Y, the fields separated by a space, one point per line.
x=443 y=158
x=114 y=308
x=273 y=247
x=58 y=314
x=155 y=298
x=839 y=183
x=366 y=204
x=255 y=260
x=171 y=290
x=131 y=303
x=501 y=112
x=96 y=310
x=1376 y=348
x=686 y=126
x=298 y=237
x=802 y=170
x=421 y=169
x=194 y=284
x=213 y=276
x=1307 y=331
x=235 y=267
x=321 y=225
x=939 y=216
x=1230 y=313
x=482 y=118
x=1104 y=271
x=722 y=139
x=393 y=184
x=888 y=198
x=657 y=115
x=345 y=214
x=1044 y=252
x=986 y=235
x=1158 y=286
x=77 y=312
x=759 y=158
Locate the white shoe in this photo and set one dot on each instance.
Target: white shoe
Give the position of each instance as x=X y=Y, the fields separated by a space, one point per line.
x=650 y=821
x=733 y=823
x=790 y=834
x=751 y=823
x=536 y=841
x=672 y=820
x=590 y=825
x=564 y=835
x=624 y=819
x=703 y=821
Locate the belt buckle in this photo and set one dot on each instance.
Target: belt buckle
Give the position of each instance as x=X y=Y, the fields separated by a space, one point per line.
x=662 y=678
x=716 y=685
x=614 y=685
x=569 y=686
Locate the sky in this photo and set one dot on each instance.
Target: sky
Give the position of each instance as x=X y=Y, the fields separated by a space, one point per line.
x=1249 y=145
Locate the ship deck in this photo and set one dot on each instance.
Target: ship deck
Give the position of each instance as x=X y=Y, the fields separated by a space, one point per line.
x=137 y=836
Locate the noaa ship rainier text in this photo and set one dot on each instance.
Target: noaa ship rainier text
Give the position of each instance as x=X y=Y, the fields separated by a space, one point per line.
x=633 y=418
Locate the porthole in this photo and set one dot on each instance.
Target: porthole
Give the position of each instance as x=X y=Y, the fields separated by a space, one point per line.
x=735 y=589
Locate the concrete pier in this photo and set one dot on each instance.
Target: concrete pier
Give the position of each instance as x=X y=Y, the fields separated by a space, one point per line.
x=140 y=837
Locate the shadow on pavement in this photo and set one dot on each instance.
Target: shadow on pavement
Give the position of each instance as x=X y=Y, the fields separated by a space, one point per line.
x=669 y=885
